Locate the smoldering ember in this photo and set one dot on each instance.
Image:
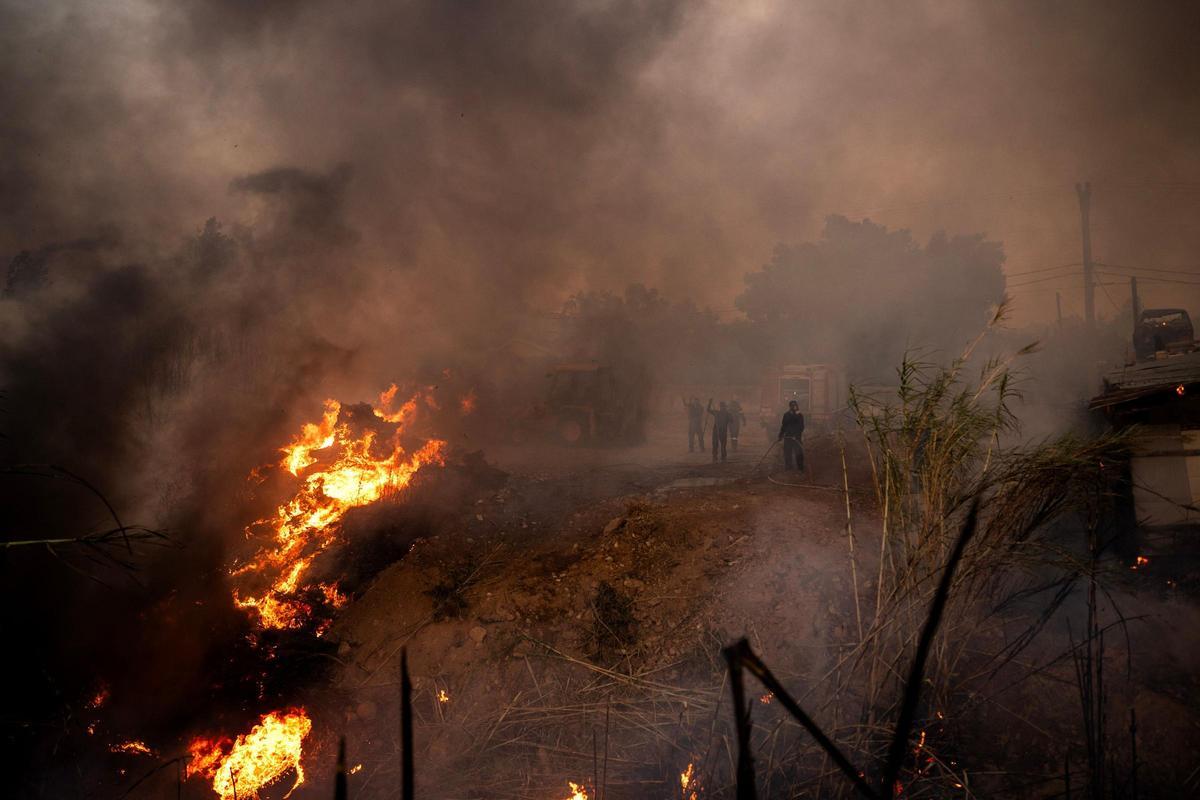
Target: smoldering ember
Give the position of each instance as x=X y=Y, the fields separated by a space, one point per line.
x=599 y=400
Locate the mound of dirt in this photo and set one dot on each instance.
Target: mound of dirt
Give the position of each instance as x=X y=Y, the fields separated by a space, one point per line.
x=533 y=634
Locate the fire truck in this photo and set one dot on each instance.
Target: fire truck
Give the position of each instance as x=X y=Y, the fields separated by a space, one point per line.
x=820 y=389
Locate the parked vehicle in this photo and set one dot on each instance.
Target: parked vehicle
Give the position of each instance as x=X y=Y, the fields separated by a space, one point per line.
x=587 y=401
x=1162 y=330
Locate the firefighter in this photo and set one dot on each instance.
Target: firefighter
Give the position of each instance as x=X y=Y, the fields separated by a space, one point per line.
x=737 y=418
x=695 y=413
x=720 y=431
x=791 y=433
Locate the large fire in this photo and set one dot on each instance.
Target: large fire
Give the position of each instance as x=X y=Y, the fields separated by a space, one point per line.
x=342 y=462
x=243 y=767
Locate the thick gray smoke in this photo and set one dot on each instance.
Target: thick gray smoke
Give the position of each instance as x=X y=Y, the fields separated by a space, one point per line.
x=510 y=153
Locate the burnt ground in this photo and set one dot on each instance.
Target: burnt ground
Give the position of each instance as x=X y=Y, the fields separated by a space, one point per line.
x=584 y=567
x=588 y=596
x=570 y=606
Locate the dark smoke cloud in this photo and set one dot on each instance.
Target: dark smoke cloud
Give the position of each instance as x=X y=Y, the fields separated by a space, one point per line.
x=519 y=150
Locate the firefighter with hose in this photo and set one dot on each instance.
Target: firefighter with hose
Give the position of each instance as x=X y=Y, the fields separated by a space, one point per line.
x=791 y=433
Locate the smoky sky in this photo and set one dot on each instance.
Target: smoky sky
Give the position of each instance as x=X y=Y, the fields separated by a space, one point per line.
x=505 y=154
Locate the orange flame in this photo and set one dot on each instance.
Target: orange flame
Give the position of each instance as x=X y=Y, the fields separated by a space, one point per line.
x=1140 y=562
x=688 y=787
x=132 y=747
x=100 y=697
x=255 y=760
x=577 y=791
x=443 y=696
x=402 y=415
x=339 y=470
x=466 y=404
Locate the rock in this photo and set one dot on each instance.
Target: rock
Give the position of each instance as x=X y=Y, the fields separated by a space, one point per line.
x=478 y=634
x=365 y=710
x=613 y=525
x=633 y=583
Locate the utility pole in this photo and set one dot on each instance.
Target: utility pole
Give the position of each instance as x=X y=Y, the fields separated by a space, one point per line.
x=1084 y=191
x=1137 y=304
x=1058 y=305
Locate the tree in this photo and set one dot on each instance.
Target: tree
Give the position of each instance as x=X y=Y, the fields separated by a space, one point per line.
x=677 y=341
x=862 y=296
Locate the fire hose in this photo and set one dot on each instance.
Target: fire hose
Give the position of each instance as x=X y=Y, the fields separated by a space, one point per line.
x=764 y=455
x=772 y=447
x=822 y=486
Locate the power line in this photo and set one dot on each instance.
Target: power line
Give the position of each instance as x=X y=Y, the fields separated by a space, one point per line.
x=1150 y=269
x=1047 y=289
x=1043 y=269
x=1151 y=278
x=1062 y=288
x=1039 y=280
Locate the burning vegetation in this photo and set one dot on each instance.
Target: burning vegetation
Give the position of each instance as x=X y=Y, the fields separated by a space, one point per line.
x=344 y=461
x=247 y=764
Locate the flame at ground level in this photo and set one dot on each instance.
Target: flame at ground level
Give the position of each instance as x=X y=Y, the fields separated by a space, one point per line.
x=688 y=788
x=134 y=747
x=341 y=466
x=242 y=767
x=577 y=791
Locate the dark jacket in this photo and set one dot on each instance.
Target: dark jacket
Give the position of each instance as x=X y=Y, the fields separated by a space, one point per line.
x=793 y=425
x=721 y=419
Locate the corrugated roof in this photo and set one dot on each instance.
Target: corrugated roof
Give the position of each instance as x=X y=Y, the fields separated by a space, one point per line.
x=1148 y=377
